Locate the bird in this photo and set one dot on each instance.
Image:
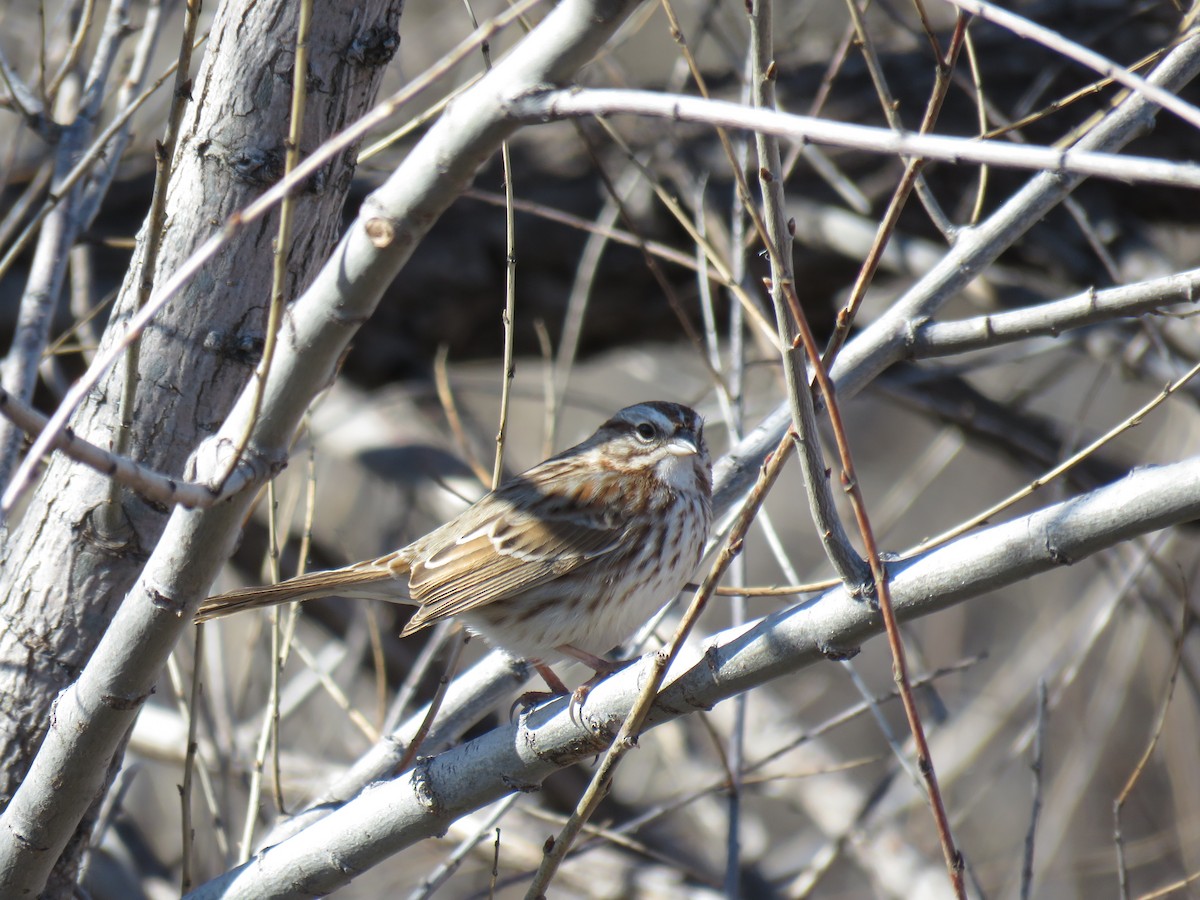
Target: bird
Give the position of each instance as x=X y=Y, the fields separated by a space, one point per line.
x=561 y=562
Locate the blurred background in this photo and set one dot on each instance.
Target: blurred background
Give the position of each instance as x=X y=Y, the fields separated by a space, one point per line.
x=1091 y=672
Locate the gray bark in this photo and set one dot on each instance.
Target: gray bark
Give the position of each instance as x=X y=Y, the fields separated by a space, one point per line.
x=64 y=568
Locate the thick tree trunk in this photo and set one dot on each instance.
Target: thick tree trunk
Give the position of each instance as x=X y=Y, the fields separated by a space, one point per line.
x=73 y=556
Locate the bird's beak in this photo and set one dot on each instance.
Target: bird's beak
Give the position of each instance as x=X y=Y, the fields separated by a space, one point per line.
x=683 y=444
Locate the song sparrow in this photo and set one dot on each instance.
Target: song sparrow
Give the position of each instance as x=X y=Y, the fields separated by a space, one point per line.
x=566 y=559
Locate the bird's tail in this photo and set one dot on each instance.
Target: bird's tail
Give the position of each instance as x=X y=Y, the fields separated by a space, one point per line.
x=375 y=579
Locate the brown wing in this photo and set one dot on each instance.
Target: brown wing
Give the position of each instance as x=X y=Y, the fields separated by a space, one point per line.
x=503 y=556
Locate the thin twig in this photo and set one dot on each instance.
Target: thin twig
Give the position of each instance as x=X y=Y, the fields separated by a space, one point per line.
x=891 y=111
x=189 y=763
x=606 y=231
x=599 y=233
x=1067 y=464
x=283 y=238
x=270 y=716
x=95 y=152
x=953 y=859
x=1035 y=764
x=1055 y=41
x=147 y=482
x=50 y=89
x=47 y=271
x=466 y=448
x=434 y=881
x=111 y=516
x=361 y=722
x=910 y=179
x=1075 y=96
x=776 y=234
x=734 y=757
x=1160 y=719
x=458 y=640
x=32 y=194
x=711 y=253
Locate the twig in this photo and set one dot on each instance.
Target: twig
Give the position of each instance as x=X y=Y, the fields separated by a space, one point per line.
x=150 y=484
x=510 y=281
x=538 y=106
x=1155 y=732
x=776 y=235
x=110 y=515
x=458 y=641
x=599 y=234
x=439 y=636
x=911 y=178
x=468 y=698
x=189 y=764
x=1051 y=39
x=1067 y=464
x=934 y=339
x=283 y=238
x=47 y=274
x=432 y=882
x=1035 y=764
x=668 y=290
x=1064 y=102
x=713 y=255
x=262 y=746
x=601 y=226
x=981 y=111
x=413 y=124
x=32 y=193
x=731 y=409
x=953 y=859
x=1173 y=887
x=548 y=389
x=25 y=101
x=441 y=381
x=50 y=89
x=95 y=152
x=877 y=346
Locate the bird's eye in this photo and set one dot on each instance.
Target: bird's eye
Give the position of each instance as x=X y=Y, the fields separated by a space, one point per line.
x=646 y=431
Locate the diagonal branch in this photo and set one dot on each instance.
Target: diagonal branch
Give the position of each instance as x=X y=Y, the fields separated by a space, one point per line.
x=391 y=815
x=150 y=484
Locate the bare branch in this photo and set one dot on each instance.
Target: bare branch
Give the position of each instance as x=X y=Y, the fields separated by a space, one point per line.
x=391 y=815
x=540 y=105
x=934 y=339
x=150 y=484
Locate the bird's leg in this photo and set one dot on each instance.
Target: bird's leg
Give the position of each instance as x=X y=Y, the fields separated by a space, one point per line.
x=530 y=699
x=557 y=688
x=598 y=664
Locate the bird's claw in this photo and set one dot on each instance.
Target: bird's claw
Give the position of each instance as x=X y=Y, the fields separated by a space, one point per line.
x=528 y=702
